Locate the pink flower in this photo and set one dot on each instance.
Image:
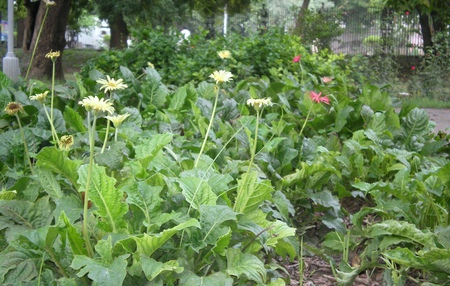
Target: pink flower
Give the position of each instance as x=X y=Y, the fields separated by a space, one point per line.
x=296 y=59
x=316 y=97
x=413 y=68
x=407 y=13
x=327 y=79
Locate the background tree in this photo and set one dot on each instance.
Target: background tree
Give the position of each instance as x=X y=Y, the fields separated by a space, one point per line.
x=52 y=36
x=434 y=16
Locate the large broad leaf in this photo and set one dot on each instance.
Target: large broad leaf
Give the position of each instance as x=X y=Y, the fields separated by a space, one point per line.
x=153 y=268
x=103 y=194
x=28 y=214
x=74 y=119
x=211 y=218
x=17 y=267
x=103 y=274
x=414 y=126
x=113 y=156
x=148 y=244
x=433 y=260
x=49 y=183
x=197 y=191
x=149 y=148
x=277 y=231
x=178 y=99
x=216 y=279
x=145 y=197
x=404 y=229
x=247 y=264
x=251 y=193
x=57 y=161
x=75 y=240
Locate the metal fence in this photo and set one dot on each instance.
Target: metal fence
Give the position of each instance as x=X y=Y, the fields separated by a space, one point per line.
x=360 y=32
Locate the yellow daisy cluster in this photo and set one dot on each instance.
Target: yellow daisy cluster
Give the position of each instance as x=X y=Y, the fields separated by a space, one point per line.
x=258 y=103
x=97 y=105
x=221 y=76
x=111 y=84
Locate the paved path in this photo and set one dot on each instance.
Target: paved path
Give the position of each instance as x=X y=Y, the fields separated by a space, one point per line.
x=441 y=117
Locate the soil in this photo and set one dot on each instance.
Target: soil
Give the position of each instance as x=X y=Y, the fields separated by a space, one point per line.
x=441 y=117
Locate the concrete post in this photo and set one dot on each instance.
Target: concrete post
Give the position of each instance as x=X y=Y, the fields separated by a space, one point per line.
x=10 y=61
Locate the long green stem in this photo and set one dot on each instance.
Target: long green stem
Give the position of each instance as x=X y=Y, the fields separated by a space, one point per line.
x=37 y=41
x=52 y=98
x=91 y=130
x=52 y=127
x=306 y=120
x=211 y=120
x=106 y=136
x=25 y=145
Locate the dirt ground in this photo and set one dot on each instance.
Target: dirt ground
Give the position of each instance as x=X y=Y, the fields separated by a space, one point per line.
x=441 y=117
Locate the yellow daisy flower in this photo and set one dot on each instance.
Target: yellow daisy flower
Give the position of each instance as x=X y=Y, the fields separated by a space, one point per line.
x=97 y=105
x=118 y=119
x=221 y=76
x=111 y=84
x=65 y=142
x=13 y=107
x=53 y=55
x=40 y=97
x=225 y=54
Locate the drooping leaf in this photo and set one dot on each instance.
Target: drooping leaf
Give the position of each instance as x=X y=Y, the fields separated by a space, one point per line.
x=216 y=279
x=153 y=268
x=31 y=215
x=251 y=193
x=103 y=274
x=149 y=148
x=74 y=119
x=247 y=264
x=56 y=161
x=148 y=244
x=17 y=267
x=73 y=236
x=404 y=229
x=197 y=191
x=49 y=183
x=145 y=197
x=103 y=194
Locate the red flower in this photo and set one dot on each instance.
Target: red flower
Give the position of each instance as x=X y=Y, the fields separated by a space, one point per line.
x=413 y=68
x=316 y=97
x=296 y=59
x=407 y=12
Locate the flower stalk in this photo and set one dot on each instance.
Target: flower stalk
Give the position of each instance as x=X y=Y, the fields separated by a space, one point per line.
x=25 y=145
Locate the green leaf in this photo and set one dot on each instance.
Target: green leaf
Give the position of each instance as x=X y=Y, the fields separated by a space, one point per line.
x=153 y=268
x=16 y=267
x=404 y=229
x=245 y=264
x=148 y=244
x=144 y=196
x=251 y=193
x=216 y=279
x=49 y=183
x=103 y=274
x=57 y=161
x=74 y=119
x=31 y=215
x=197 y=191
x=113 y=156
x=75 y=240
x=178 y=99
x=103 y=194
x=211 y=218
x=278 y=231
x=341 y=117
x=149 y=148
x=7 y=195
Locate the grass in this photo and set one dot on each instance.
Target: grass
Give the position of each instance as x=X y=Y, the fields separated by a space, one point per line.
x=425 y=102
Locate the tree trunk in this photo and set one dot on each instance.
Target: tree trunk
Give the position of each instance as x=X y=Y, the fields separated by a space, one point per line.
x=426 y=30
x=298 y=29
x=119 y=33
x=52 y=37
